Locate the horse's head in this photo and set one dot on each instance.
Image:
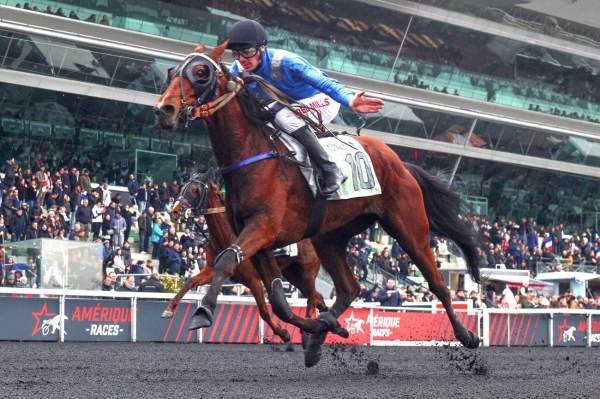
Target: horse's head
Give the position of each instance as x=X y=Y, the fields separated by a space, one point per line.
x=199 y=192
x=193 y=195
x=191 y=87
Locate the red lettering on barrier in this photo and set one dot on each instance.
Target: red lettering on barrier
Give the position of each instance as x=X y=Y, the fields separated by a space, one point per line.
x=76 y=316
x=582 y=326
x=104 y=314
x=87 y=313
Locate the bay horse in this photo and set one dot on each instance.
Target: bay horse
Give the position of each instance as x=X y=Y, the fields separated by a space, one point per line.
x=270 y=203
x=202 y=195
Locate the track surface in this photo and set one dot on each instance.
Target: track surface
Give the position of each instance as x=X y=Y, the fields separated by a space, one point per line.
x=107 y=370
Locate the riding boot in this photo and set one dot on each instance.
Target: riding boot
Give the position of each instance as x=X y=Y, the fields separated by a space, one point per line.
x=332 y=176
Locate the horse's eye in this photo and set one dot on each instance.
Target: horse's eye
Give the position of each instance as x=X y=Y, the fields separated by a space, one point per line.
x=202 y=73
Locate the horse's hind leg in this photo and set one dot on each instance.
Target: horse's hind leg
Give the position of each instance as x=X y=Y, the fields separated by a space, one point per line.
x=302 y=273
x=412 y=232
x=332 y=251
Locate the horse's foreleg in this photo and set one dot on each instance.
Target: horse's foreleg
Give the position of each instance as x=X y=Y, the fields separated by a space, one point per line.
x=267 y=267
x=256 y=235
x=259 y=295
x=204 y=277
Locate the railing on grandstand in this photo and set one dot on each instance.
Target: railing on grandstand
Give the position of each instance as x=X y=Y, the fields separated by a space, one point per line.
x=379 y=276
x=233 y=289
x=549 y=267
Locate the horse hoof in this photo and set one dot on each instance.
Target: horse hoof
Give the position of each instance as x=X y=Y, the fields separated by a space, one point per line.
x=203 y=317
x=342 y=332
x=285 y=336
x=333 y=324
x=472 y=341
x=313 y=352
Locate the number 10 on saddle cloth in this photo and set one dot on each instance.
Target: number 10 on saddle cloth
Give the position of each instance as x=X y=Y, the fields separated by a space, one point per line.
x=350 y=157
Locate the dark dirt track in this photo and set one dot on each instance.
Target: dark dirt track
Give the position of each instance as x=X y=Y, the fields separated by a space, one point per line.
x=111 y=370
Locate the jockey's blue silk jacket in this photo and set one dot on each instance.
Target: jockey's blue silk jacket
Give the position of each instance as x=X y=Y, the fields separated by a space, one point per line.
x=296 y=77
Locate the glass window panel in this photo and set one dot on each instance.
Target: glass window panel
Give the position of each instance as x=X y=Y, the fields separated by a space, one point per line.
x=84 y=63
x=459 y=61
x=570 y=21
x=539 y=144
x=100 y=132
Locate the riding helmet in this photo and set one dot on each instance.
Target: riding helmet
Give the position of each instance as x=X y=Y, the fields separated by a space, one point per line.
x=246 y=33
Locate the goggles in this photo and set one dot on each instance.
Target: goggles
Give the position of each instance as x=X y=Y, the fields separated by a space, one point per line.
x=245 y=53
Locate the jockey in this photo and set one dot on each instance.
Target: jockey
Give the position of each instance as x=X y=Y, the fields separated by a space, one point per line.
x=301 y=81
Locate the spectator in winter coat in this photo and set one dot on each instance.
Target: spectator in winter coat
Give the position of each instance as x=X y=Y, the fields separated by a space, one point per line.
x=85 y=182
x=155 y=236
x=389 y=296
x=163 y=194
x=173 y=261
x=174 y=189
x=97 y=213
x=145 y=230
x=18 y=226
x=153 y=284
x=132 y=185
x=119 y=226
x=142 y=197
x=32 y=232
x=84 y=217
x=137 y=268
x=126 y=254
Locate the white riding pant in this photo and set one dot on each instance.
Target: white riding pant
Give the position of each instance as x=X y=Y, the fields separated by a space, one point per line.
x=289 y=122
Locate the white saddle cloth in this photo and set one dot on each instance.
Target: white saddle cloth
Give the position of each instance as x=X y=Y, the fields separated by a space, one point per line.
x=350 y=157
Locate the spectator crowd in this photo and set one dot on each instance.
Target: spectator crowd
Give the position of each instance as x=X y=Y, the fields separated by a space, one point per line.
x=62 y=203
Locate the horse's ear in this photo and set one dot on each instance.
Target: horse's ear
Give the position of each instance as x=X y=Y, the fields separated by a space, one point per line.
x=218 y=51
x=200 y=48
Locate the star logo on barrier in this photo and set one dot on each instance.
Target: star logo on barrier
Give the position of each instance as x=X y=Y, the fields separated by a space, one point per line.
x=354 y=325
x=42 y=313
x=566 y=332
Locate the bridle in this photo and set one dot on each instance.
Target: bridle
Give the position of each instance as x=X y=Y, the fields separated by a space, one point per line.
x=197 y=204
x=205 y=104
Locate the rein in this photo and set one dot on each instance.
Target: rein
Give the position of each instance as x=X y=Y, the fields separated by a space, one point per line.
x=203 y=111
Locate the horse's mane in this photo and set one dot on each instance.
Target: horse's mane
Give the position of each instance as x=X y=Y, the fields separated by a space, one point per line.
x=254 y=107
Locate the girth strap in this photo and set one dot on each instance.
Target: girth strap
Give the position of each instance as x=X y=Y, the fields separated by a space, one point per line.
x=317 y=213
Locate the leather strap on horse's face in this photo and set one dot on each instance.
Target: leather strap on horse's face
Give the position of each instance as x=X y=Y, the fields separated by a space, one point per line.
x=204 y=90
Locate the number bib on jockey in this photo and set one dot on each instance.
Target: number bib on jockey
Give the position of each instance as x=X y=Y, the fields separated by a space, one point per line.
x=350 y=157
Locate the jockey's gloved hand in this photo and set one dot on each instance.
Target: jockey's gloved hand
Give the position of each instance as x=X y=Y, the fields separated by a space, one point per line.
x=364 y=104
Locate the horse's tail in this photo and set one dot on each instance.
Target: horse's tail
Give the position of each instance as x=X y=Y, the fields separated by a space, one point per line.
x=444 y=210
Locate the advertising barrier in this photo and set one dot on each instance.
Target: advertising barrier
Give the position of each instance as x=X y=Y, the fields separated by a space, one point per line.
x=56 y=315
x=29 y=319
x=97 y=320
x=150 y=327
